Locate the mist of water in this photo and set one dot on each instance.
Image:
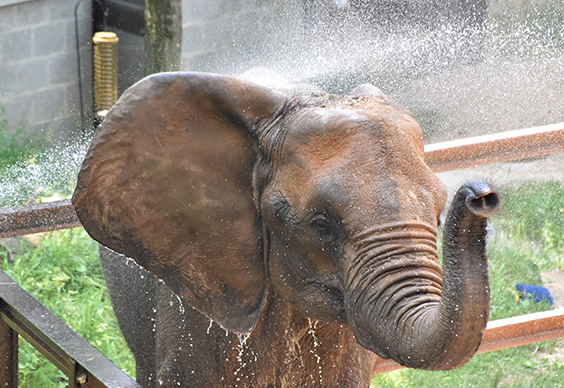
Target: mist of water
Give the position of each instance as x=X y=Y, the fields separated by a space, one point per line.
x=457 y=79
x=50 y=173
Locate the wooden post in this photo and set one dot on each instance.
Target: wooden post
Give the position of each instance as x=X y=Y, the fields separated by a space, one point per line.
x=163 y=35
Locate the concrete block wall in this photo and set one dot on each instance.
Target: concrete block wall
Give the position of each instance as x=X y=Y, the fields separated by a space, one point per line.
x=233 y=36
x=38 y=64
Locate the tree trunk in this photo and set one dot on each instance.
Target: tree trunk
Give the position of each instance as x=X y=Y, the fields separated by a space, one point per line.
x=163 y=35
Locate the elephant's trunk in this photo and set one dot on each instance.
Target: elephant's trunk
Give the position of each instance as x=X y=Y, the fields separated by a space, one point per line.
x=398 y=303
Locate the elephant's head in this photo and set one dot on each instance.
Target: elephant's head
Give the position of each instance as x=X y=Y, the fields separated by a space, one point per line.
x=227 y=190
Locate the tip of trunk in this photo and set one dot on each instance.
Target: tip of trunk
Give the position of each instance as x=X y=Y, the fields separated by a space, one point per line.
x=482 y=200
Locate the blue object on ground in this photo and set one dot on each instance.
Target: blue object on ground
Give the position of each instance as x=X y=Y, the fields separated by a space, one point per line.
x=536 y=293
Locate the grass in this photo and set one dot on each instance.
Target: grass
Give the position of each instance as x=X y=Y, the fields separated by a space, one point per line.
x=523 y=367
x=63 y=272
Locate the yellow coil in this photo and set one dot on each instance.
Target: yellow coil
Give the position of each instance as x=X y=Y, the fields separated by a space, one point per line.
x=105 y=70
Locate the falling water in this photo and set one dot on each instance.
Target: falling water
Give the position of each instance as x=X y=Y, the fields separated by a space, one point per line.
x=311 y=332
x=241 y=349
x=48 y=173
x=210 y=326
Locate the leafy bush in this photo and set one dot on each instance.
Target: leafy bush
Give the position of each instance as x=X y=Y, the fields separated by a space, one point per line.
x=13 y=146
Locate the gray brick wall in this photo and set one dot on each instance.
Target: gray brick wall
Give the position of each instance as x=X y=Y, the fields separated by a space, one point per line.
x=233 y=36
x=38 y=64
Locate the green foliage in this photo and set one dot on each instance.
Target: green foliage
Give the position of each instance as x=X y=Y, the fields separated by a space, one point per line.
x=33 y=168
x=64 y=274
x=13 y=146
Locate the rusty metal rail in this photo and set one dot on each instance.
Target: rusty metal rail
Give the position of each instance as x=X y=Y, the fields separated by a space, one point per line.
x=523 y=330
x=39 y=217
x=21 y=314
x=39 y=326
x=496 y=148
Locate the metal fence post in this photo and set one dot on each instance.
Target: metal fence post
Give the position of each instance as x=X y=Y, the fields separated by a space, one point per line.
x=8 y=354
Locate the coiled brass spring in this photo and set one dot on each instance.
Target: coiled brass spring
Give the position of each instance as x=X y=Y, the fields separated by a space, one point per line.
x=105 y=71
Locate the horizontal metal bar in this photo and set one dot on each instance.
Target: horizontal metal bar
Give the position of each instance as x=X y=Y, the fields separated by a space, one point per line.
x=55 y=340
x=35 y=218
x=507 y=333
x=496 y=148
x=523 y=330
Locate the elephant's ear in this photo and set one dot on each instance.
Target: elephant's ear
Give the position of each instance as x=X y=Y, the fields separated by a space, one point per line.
x=167 y=181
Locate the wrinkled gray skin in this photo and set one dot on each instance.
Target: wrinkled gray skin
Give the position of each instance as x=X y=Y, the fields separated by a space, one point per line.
x=311 y=238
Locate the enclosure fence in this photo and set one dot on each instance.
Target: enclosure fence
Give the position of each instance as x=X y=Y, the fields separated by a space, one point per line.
x=22 y=315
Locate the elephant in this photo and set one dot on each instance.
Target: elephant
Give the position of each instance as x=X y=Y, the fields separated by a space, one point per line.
x=286 y=236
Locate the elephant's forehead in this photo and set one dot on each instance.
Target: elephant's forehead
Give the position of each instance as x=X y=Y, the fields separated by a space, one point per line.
x=356 y=152
x=328 y=137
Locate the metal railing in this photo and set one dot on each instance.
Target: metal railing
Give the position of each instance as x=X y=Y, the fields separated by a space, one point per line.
x=86 y=367
x=21 y=314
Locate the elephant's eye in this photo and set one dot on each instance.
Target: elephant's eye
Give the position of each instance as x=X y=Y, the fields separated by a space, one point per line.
x=325 y=228
x=322 y=227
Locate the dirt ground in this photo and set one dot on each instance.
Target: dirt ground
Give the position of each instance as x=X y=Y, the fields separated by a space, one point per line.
x=554 y=281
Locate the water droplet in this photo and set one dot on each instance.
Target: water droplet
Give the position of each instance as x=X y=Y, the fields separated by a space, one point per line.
x=210 y=326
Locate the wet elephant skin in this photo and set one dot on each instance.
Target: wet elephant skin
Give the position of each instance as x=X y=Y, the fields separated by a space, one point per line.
x=293 y=235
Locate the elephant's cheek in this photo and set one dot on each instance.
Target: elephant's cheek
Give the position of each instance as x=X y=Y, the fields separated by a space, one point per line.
x=312 y=284
x=285 y=273
x=321 y=302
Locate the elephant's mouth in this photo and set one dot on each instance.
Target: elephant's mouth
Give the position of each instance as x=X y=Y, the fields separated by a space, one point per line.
x=323 y=299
